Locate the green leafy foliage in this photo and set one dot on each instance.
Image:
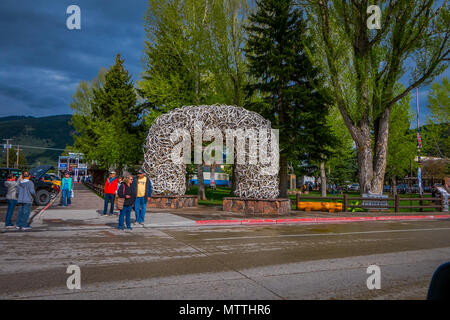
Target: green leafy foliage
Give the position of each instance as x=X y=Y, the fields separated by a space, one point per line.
x=107 y=119
x=192 y=54
x=288 y=87
x=402 y=144
x=436 y=133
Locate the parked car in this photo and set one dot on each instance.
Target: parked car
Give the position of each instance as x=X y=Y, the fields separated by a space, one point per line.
x=387 y=188
x=415 y=188
x=53 y=179
x=44 y=190
x=353 y=187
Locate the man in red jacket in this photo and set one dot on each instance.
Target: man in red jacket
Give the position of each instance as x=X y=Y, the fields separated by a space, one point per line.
x=110 y=191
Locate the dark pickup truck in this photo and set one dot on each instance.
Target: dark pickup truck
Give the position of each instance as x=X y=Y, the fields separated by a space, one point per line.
x=44 y=190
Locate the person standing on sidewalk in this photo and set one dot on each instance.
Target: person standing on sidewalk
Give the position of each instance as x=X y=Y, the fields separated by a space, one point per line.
x=142 y=186
x=126 y=192
x=25 y=197
x=116 y=195
x=66 y=189
x=11 y=199
x=110 y=190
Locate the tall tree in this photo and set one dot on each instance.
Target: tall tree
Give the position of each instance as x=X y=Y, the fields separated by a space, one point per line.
x=107 y=119
x=116 y=115
x=402 y=144
x=436 y=134
x=82 y=117
x=363 y=65
x=287 y=83
x=192 y=56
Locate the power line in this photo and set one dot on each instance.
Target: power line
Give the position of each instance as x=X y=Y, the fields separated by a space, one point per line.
x=7 y=151
x=43 y=148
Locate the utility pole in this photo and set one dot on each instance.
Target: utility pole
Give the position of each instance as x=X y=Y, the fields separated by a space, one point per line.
x=7 y=151
x=419 y=145
x=17 y=156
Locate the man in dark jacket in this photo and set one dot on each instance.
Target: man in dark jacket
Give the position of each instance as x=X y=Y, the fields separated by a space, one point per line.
x=25 y=197
x=126 y=192
x=142 y=187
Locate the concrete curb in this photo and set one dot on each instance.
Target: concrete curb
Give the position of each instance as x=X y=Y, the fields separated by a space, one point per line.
x=318 y=220
x=39 y=211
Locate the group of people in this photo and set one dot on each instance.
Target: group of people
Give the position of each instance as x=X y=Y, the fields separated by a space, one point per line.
x=134 y=192
x=20 y=194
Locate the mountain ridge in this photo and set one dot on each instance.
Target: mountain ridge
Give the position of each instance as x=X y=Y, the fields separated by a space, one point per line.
x=47 y=132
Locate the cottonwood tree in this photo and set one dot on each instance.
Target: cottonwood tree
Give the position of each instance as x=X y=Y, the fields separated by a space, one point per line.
x=363 y=65
x=82 y=118
x=402 y=142
x=193 y=55
x=287 y=83
x=436 y=134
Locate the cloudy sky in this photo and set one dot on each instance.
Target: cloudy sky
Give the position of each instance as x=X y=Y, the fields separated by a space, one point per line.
x=41 y=61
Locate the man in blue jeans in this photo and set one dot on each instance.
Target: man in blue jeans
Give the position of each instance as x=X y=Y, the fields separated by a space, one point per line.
x=110 y=192
x=11 y=199
x=25 y=197
x=142 y=188
x=66 y=189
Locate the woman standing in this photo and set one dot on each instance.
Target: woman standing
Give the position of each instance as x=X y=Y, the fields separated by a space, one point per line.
x=126 y=192
x=66 y=189
x=11 y=199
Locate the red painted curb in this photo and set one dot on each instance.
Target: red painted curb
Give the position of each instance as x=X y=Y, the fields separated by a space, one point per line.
x=299 y=220
x=318 y=220
x=218 y=222
x=258 y=221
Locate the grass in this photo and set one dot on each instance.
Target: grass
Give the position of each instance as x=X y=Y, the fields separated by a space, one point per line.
x=214 y=197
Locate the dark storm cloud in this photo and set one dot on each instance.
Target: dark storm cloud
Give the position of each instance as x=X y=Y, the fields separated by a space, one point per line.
x=41 y=61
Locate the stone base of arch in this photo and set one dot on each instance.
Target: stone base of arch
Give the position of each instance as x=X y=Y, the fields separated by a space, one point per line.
x=257 y=206
x=172 y=202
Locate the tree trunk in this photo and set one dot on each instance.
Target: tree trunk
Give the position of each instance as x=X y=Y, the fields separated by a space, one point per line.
x=212 y=178
x=380 y=152
x=394 y=186
x=323 y=179
x=283 y=176
x=372 y=159
x=201 y=183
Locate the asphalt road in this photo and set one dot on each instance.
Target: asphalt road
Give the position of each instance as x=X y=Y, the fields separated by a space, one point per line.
x=257 y=262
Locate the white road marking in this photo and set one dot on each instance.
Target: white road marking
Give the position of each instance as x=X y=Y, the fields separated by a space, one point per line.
x=325 y=234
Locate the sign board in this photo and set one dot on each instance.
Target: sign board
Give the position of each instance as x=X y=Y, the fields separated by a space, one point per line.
x=374 y=204
x=6 y=146
x=82 y=166
x=63 y=166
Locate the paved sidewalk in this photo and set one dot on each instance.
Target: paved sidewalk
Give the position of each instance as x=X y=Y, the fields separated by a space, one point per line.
x=67 y=218
x=87 y=208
